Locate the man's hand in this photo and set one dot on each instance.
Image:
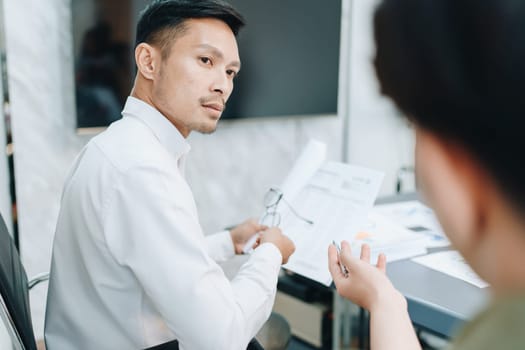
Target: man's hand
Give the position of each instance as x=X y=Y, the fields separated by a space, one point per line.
x=283 y=243
x=243 y=232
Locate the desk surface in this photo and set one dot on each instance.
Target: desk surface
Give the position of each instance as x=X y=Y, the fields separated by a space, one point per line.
x=436 y=301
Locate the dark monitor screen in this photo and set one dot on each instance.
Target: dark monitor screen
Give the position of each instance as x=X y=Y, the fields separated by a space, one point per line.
x=289 y=51
x=290 y=58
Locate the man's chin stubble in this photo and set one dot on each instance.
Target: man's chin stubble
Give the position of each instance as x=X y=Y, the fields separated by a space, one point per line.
x=206 y=129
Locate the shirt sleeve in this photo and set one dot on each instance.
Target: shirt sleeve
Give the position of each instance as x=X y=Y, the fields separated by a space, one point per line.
x=220 y=246
x=151 y=227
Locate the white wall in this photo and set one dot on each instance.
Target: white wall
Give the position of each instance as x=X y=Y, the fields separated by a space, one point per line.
x=375 y=138
x=39 y=55
x=228 y=171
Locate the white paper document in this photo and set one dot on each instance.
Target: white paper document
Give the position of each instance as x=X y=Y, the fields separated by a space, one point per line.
x=387 y=236
x=451 y=263
x=417 y=217
x=336 y=197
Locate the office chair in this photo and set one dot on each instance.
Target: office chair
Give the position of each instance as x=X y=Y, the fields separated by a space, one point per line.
x=14 y=294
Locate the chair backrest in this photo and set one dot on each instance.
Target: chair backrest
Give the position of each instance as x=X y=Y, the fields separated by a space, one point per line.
x=14 y=289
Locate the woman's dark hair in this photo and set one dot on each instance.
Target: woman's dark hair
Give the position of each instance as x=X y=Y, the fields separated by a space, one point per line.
x=162 y=20
x=457 y=69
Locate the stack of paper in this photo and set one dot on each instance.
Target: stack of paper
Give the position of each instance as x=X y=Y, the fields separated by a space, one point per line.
x=417 y=217
x=384 y=235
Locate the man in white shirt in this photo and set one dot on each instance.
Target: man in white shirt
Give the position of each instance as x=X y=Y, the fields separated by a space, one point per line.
x=131 y=267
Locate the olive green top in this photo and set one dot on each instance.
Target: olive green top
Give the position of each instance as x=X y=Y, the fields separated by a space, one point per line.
x=500 y=327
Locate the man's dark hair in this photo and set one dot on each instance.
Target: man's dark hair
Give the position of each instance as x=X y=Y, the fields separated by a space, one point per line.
x=457 y=68
x=162 y=20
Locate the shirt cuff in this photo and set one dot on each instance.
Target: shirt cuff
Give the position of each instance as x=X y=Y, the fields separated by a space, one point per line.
x=220 y=246
x=270 y=252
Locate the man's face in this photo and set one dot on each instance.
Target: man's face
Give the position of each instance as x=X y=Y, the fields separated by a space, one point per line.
x=445 y=188
x=196 y=79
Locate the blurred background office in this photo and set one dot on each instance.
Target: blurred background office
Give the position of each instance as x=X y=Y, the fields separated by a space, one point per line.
x=229 y=172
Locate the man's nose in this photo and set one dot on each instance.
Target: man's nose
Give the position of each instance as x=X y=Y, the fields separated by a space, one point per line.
x=222 y=84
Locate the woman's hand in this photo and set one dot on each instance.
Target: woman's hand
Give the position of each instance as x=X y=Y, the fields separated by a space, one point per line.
x=365 y=284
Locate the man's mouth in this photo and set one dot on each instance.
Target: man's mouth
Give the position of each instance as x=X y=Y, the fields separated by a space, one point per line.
x=219 y=107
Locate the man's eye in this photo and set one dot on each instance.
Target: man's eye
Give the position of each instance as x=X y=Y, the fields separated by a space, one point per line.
x=231 y=73
x=205 y=60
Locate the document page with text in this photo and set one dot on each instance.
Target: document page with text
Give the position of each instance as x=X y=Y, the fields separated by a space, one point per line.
x=336 y=199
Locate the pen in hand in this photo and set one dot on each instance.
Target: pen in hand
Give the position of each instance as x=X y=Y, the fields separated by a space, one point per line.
x=344 y=270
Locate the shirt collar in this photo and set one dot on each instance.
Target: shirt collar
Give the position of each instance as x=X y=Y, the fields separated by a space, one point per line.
x=162 y=128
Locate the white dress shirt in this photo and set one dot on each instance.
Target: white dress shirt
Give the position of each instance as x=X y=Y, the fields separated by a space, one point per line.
x=131 y=267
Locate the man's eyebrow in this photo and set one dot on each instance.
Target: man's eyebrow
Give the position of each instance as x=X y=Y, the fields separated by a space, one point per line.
x=217 y=53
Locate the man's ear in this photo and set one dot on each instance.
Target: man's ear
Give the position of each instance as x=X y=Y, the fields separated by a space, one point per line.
x=148 y=60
